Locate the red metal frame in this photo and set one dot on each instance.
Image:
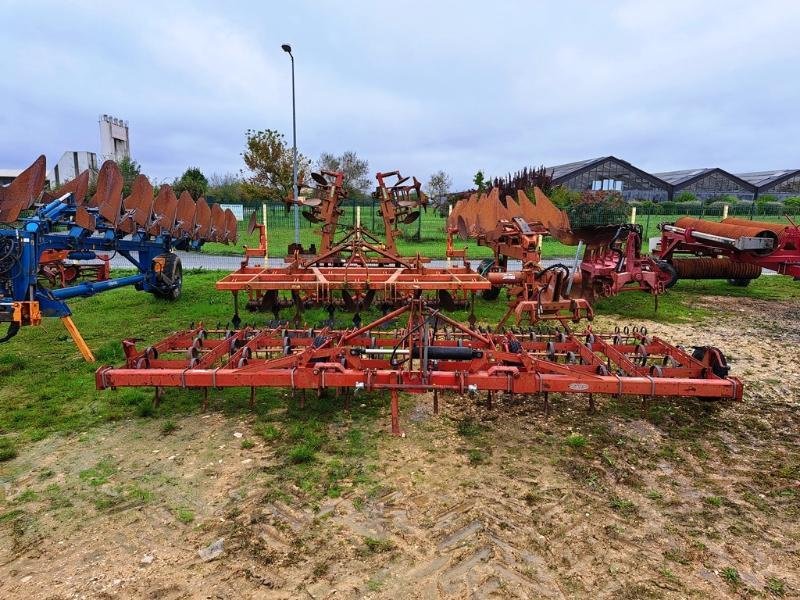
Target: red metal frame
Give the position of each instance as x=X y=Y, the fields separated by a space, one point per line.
x=784 y=258
x=431 y=353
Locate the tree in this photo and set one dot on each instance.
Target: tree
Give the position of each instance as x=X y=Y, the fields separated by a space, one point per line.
x=130 y=170
x=355 y=169
x=438 y=190
x=269 y=159
x=685 y=196
x=480 y=181
x=192 y=181
x=226 y=188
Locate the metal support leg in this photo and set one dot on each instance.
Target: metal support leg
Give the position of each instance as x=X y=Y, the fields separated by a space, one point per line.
x=395 y=414
x=205 y=399
x=252 y=398
x=436 y=402
x=78 y=339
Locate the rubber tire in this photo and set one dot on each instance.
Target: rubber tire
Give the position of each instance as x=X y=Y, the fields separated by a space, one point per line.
x=739 y=282
x=669 y=268
x=172 y=291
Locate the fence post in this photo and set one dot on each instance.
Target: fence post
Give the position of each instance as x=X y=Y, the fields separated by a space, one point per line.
x=633 y=215
x=266 y=238
x=724 y=211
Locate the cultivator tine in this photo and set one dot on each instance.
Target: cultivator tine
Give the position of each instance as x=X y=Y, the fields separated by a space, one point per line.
x=217 y=223
x=78 y=187
x=185 y=215
x=21 y=193
x=231 y=226
x=202 y=220
x=108 y=197
x=138 y=206
x=165 y=207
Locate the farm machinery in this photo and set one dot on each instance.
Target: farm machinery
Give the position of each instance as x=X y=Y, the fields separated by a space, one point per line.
x=414 y=347
x=50 y=251
x=612 y=261
x=355 y=271
x=734 y=249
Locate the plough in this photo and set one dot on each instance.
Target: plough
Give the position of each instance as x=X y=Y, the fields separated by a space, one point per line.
x=431 y=353
x=55 y=238
x=735 y=249
x=612 y=260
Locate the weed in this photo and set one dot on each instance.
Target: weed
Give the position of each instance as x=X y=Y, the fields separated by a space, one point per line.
x=576 y=440
x=377 y=546
x=184 y=515
x=99 y=474
x=247 y=444
x=476 y=456
x=145 y=408
x=268 y=431
x=168 y=427
x=776 y=587
x=320 y=569
x=7 y=449
x=469 y=428
x=655 y=495
x=11 y=515
x=374 y=585
x=56 y=496
x=714 y=501
x=731 y=575
x=46 y=474
x=301 y=454
x=26 y=496
x=622 y=506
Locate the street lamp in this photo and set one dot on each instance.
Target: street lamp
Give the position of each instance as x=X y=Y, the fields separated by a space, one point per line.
x=288 y=49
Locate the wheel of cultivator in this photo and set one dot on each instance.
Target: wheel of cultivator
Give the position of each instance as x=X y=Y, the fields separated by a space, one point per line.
x=716 y=359
x=169 y=277
x=667 y=267
x=484 y=267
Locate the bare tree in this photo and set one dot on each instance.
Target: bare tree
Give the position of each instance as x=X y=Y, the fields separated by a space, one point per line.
x=355 y=169
x=439 y=189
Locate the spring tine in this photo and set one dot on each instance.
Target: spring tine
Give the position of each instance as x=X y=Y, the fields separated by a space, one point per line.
x=23 y=191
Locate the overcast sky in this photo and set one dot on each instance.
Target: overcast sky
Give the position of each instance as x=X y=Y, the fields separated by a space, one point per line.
x=415 y=86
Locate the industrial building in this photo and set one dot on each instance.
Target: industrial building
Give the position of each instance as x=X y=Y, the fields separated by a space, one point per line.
x=612 y=173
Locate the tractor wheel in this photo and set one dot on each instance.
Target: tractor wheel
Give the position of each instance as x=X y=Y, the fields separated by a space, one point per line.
x=169 y=280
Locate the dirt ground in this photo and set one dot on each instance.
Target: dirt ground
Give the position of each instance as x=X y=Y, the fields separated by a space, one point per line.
x=641 y=499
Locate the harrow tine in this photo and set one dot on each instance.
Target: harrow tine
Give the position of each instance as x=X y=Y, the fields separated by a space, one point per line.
x=217 y=223
x=21 y=193
x=185 y=215
x=138 y=206
x=231 y=226
x=78 y=187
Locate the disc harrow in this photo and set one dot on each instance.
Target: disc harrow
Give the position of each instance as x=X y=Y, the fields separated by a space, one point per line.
x=431 y=353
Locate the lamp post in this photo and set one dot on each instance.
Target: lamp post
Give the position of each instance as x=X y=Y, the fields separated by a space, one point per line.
x=296 y=197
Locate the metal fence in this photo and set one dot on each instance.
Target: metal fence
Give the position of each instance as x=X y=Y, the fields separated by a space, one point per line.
x=427 y=235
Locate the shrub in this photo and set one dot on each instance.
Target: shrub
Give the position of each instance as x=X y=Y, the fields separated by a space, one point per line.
x=685 y=197
x=564 y=197
x=770 y=208
x=598 y=208
x=792 y=205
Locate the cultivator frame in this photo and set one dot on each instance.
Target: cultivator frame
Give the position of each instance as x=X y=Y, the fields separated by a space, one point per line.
x=432 y=352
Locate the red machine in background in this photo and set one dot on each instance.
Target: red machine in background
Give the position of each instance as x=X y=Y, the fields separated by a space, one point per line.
x=734 y=249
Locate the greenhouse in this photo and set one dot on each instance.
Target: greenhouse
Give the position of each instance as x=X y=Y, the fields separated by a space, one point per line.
x=782 y=183
x=706 y=184
x=610 y=173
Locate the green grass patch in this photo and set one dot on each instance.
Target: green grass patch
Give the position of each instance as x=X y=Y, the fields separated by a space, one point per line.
x=184 y=515
x=99 y=474
x=8 y=449
x=576 y=440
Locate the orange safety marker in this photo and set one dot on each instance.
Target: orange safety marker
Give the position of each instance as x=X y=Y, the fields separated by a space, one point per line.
x=78 y=339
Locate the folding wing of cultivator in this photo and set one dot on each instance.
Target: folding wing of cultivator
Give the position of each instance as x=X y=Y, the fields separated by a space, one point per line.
x=430 y=353
x=735 y=249
x=56 y=243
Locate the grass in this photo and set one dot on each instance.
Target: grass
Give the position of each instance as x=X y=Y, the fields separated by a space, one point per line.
x=731 y=576
x=168 y=427
x=576 y=440
x=47 y=387
x=184 y=515
x=99 y=474
x=247 y=444
x=776 y=587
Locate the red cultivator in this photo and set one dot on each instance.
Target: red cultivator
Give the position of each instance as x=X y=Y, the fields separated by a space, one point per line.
x=431 y=353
